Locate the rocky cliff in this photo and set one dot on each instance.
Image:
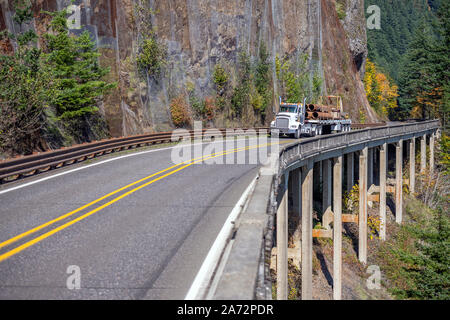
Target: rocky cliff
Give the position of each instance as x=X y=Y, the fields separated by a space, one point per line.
x=199 y=34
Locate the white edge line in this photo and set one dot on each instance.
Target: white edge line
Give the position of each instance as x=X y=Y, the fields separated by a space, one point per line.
x=99 y=163
x=203 y=277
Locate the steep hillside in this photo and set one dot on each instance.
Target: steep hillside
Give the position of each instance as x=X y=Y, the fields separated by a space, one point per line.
x=198 y=36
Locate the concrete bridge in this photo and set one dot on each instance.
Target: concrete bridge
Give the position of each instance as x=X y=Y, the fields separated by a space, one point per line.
x=288 y=187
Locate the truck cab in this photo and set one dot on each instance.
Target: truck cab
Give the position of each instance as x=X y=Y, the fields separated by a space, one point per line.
x=289 y=120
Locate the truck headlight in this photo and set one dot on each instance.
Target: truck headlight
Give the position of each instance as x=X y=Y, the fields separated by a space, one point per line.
x=293 y=127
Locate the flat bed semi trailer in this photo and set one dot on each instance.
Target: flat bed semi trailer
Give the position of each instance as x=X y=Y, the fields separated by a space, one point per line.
x=301 y=119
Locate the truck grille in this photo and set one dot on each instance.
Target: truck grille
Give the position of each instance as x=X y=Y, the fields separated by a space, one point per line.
x=282 y=123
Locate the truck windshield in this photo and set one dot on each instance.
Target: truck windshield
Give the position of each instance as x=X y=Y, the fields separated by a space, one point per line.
x=289 y=109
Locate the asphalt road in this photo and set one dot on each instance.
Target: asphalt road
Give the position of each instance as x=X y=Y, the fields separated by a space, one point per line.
x=147 y=241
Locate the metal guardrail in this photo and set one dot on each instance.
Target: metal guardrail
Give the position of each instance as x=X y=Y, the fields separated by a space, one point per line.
x=253 y=244
x=16 y=168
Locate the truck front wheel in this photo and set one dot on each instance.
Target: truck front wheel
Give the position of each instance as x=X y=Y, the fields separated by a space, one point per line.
x=297 y=134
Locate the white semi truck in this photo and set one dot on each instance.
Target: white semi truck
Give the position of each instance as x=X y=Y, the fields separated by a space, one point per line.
x=297 y=119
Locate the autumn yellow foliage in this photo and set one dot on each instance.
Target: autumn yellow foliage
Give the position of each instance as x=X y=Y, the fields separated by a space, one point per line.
x=382 y=95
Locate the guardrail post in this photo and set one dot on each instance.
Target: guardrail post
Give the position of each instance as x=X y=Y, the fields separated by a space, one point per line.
x=399 y=182
x=432 y=153
x=307 y=225
x=412 y=165
x=337 y=228
x=383 y=170
x=350 y=171
x=423 y=153
x=282 y=244
x=362 y=242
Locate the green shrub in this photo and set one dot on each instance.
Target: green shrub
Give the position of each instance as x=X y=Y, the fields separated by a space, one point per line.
x=25 y=86
x=416 y=261
x=151 y=56
x=294 y=79
x=220 y=78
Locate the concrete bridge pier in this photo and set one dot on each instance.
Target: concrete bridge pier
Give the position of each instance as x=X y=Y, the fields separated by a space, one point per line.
x=399 y=182
x=423 y=154
x=297 y=209
x=383 y=172
x=362 y=242
x=337 y=228
x=307 y=226
x=327 y=192
x=350 y=171
x=412 y=165
x=432 y=137
x=370 y=167
x=282 y=243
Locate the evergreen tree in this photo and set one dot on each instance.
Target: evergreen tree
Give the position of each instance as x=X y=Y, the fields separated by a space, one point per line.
x=73 y=63
x=241 y=94
x=263 y=81
x=442 y=62
x=418 y=78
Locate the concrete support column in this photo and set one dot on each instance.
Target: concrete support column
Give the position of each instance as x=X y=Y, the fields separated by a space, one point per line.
x=337 y=228
x=326 y=185
x=282 y=245
x=307 y=225
x=297 y=205
x=412 y=165
x=432 y=153
x=399 y=182
x=362 y=243
x=423 y=154
x=370 y=167
x=350 y=171
x=383 y=171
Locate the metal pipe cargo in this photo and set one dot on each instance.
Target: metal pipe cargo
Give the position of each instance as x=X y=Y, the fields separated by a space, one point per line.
x=323 y=115
x=310 y=107
x=310 y=115
x=321 y=108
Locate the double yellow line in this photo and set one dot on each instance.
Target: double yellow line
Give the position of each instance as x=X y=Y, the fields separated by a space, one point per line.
x=32 y=242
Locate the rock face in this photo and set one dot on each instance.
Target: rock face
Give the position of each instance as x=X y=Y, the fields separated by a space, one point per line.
x=354 y=25
x=201 y=33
